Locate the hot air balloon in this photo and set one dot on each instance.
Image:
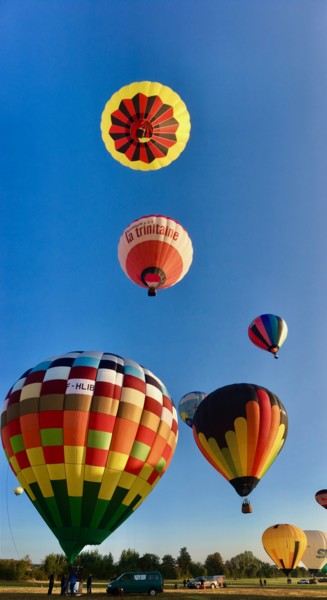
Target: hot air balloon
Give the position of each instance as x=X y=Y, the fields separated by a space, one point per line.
x=88 y=435
x=188 y=405
x=321 y=498
x=18 y=490
x=240 y=429
x=315 y=555
x=155 y=251
x=145 y=125
x=268 y=332
x=285 y=544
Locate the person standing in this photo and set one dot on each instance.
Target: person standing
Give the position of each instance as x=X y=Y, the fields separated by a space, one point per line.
x=63 y=590
x=72 y=583
x=51 y=583
x=89 y=584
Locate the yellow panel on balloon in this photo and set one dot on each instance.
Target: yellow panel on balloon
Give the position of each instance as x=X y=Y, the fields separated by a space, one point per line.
x=42 y=476
x=36 y=456
x=75 y=454
x=93 y=473
x=75 y=479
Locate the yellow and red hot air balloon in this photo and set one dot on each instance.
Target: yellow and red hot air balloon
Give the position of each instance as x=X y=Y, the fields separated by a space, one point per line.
x=321 y=498
x=155 y=252
x=145 y=125
x=240 y=429
x=268 y=332
x=88 y=435
x=285 y=544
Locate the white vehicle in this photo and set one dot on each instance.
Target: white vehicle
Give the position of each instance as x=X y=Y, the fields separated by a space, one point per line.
x=208 y=581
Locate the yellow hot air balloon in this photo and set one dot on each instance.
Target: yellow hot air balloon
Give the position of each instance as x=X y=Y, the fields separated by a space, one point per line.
x=18 y=490
x=145 y=125
x=285 y=544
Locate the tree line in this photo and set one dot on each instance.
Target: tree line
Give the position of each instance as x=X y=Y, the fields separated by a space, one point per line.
x=103 y=567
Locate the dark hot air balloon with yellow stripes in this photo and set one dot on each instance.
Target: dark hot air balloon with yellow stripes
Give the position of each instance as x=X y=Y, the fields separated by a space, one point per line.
x=240 y=429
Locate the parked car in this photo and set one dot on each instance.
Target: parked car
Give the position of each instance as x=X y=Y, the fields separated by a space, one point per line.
x=303 y=581
x=149 y=582
x=209 y=581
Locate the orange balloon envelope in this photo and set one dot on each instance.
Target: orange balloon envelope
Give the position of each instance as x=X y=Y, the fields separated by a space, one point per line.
x=155 y=251
x=285 y=544
x=145 y=125
x=88 y=435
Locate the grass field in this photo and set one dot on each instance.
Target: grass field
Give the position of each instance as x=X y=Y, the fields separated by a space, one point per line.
x=241 y=589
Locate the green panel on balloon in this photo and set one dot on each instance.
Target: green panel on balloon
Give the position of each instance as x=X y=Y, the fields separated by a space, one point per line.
x=75 y=503
x=140 y=451
x=60 y=491
x=90 y=496
x=53 y=509
x=98 y=439
x=52 y=437
x=17 y=443
x=99 y=510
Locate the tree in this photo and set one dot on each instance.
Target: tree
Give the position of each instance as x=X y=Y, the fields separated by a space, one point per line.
x=183 y=562
x=196 y=569
x=214 y=564
x=149 y=562
x=168 y=567
x=128 y=561
x=55 y=563
x=244 y=565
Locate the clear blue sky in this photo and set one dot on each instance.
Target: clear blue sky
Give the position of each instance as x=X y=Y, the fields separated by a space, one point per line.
x=250 y=188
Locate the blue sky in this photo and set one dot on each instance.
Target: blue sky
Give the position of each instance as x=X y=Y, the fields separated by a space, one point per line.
x=250 y=188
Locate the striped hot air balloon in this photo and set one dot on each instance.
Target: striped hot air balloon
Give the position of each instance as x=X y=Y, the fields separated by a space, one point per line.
x=88 y=435
x=240 y=429
x=155 y=252
x=268 y=332
x=145 y=125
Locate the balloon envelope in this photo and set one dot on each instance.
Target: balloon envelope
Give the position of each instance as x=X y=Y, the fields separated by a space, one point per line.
x=285 y=544
x=240 y=429
x=155 y=251
x=315 y=555
x=188 y=404
x=321 y=498
x=18 y=491
x=88 y=435
x=145 y=125
x=268 y=332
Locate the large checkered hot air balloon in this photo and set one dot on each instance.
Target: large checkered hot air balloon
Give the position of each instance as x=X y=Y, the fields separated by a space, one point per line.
x=145 y=125
x=155 y=252
x=88 y=435
x=240 y=429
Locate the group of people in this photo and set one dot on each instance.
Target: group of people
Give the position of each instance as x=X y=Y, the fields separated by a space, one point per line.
x=262 y=583
x=70 y=584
